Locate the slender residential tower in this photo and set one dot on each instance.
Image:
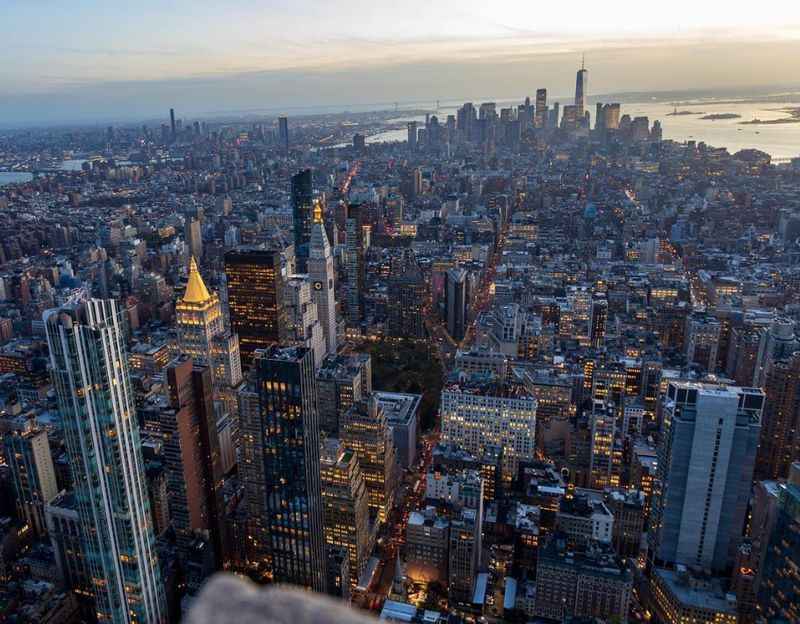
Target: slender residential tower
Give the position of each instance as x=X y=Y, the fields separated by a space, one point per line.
x=320 y=273
x=90 y=372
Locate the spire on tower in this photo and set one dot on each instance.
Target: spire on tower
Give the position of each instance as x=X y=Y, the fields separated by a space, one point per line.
x=196 y=291
x=583 y=60
x=317 y=211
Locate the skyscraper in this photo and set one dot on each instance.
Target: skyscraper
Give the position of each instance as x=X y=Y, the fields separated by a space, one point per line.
x=364 y=430
x=345 y=504
x=303 y=326
x=280 y=434
x=283 y=134
x=599 y=319
x=192 y=455
x=27 y=453
x=779 y=591
x=455 y=303
x=540 y=120
x=194 y=237
x=172 y=122
x=354 y=264
x=581 y=89
x=90 y=373
x=407 y=297
x=412 y=136
x=202 y=334
x=320 y=273
x=302 y=216
x=705 y=470
x=780 y=433
x=255 y=298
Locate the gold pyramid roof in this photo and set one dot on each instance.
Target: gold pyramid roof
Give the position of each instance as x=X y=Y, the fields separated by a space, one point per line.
x=196 y=291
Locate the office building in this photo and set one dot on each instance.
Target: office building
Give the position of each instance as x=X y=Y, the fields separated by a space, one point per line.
x=582 y=583
x=402 y=417
x=466 y=535
x=65 y=532
x=345 y=505
x=27 y=453
x=302 y=216
x=705 y=468
x=681 y=596
x=455 y=303
x=364 y=430
x=281 y=468
x=598 y=322
x=202 y=334
x=581 y=91
x=283 y=134
x=194 y=237
x=780 y=433
x=541 y=108
x=601 y=466
x=191 y=456
x=407 y=300
x=354 y=263
x=303 y=327
x=342 y=380
x=255 y=299
x=412 y=136
x=779 y=591
x=477 y=414
x=321 y=275
x=702 y=340
x=90 y=373
x=427 y=546
x=584 y=521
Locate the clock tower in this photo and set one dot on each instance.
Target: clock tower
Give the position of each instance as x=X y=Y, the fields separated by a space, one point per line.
x=320 y=274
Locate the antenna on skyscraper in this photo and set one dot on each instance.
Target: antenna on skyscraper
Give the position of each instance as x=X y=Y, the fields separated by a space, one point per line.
x=583 y=60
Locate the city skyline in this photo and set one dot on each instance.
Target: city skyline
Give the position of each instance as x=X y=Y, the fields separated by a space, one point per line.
x=271 y=55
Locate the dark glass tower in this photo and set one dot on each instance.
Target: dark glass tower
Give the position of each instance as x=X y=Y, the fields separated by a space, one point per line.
x=303 y=216
x=281 y=434
x=255 y=298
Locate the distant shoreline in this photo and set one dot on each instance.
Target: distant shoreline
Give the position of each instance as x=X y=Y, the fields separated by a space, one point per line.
x=794 y=117
x=719 y=116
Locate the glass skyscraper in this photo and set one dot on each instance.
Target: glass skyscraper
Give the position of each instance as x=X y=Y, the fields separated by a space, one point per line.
x=95 y=397
x=302 y=216
x=281 y=467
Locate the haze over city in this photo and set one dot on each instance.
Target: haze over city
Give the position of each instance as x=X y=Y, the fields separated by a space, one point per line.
x=127 y=62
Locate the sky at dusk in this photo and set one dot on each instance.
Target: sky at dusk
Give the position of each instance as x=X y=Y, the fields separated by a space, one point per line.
x=86 y=59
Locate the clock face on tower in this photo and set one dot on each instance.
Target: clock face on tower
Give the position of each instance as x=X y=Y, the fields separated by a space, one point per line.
x=317 y=285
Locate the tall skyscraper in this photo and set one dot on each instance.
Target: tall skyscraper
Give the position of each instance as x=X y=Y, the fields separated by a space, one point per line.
x=283 y=134
x=255 y=299
x=540 y=120
x=303 y=327
x=581 y=90
x=89 y=365
x=412 y=136
x=172 y=122
x=192 y=455
x=202 y=334
x=27 y=453
x=281 y=466
x=194 y=237
x=345 y=505
x=320 y=273
x=779 y=591
x=455 y=303
x=705 y=470
x=598 y=321
x=407 y=296
x=354 y=263
x=780 y=433
x=364 y=429
x=302 y=216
